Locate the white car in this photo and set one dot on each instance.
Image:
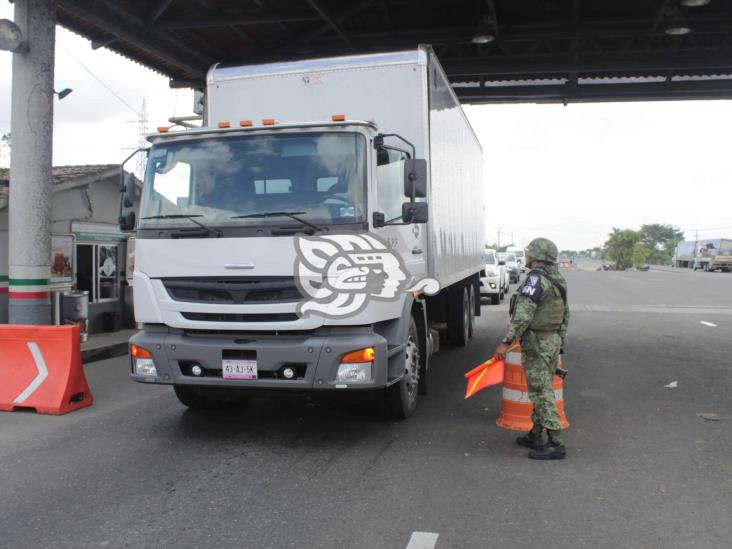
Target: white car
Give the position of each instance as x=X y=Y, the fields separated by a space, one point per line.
x=518 y=251
x=513 y=267
x=495 y=283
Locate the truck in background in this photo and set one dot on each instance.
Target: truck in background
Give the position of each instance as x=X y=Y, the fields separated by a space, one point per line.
x=318 y=233
x=708 y=254
x=710 y=258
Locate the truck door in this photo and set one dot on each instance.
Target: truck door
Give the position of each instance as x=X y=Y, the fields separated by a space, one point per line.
x=409 y=241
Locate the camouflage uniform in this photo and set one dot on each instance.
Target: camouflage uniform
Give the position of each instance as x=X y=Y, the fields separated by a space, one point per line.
x=539 y=316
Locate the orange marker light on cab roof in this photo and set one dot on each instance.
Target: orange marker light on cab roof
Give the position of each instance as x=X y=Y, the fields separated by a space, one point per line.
x=224 y=124
x=139 y=352
x=338 y=118
x=163 y=129
x=246 y=123
x=362 y=355
x=268 y=122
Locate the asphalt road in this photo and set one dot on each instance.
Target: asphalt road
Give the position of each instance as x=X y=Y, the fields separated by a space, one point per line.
x=645 y=470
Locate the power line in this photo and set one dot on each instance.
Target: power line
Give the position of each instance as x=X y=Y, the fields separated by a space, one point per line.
x=110 y=90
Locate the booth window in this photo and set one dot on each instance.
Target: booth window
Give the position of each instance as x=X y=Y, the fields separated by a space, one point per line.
x=97 y=271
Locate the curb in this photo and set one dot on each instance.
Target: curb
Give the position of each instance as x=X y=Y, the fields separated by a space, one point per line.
x=102 y=353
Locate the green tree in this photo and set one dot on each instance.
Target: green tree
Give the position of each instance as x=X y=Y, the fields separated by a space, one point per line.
x=641 y=252
x=619 y=247
x=661 y=240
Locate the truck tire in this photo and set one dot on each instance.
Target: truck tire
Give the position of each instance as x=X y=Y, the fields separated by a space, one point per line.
x=200 y=398
x=401 y=398
x=471 y=300
x=458 y=316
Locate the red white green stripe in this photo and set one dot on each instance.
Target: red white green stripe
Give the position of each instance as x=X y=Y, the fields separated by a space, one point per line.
x=28 y=288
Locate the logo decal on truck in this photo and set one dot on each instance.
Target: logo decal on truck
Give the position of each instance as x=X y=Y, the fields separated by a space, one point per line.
x=339 y=273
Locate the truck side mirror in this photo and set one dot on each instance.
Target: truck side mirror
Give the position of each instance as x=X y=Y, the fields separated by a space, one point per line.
x=128 y=189
x=127 y=221
x=415 y=212
x=415 y=178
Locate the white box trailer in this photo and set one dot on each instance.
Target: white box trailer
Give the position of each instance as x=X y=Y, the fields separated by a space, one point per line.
x=313 y=235
x=406 y=93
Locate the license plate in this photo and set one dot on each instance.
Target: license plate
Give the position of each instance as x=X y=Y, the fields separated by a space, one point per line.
x=232 y=368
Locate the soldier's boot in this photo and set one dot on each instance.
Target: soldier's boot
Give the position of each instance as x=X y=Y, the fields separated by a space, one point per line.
x=533 y=439
x=554 y=449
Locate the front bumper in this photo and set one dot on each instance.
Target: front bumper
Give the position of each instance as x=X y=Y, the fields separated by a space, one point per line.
x=315 y=356
x=489 y=285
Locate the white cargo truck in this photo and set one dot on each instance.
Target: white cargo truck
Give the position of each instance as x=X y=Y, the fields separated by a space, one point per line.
x=317 y=233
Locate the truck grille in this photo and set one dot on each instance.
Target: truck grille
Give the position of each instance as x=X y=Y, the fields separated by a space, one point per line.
x=239 y=317
x=233 y=290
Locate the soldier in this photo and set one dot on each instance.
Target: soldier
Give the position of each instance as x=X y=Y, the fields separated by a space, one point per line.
x=539 y=316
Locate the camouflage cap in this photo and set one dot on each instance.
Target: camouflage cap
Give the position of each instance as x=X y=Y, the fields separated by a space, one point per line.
x=542 y=249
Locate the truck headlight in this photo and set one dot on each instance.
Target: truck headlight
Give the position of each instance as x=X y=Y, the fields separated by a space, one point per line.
x=142 y=362
x=356 y=367
x=493 y=285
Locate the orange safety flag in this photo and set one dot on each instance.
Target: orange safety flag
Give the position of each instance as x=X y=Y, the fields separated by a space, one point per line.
x=484 y=375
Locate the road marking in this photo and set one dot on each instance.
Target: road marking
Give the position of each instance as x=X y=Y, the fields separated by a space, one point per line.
x=660 y=309
x=422 y=540
x=710 y=324
x=42 y=373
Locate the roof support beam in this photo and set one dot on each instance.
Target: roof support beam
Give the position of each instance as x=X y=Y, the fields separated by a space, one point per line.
x=157 y=10
x=608 y=63
x=711 y=89
x=328 y=19
x=340 y=19
x=228 y=20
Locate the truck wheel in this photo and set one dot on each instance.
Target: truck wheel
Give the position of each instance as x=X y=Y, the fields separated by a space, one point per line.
x=471 y=311
x=199 y=398
x=401 y=398
x=458 y=317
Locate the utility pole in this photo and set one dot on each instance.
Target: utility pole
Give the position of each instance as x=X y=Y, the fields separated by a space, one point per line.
x=499 y=237
x=141 y=141
x=30 y=165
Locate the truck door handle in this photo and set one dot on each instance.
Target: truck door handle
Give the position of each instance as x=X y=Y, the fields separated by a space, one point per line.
x=416 y=251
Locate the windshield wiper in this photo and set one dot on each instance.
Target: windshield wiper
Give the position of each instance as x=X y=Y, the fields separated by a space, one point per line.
x=291 y=215
x=206 y=229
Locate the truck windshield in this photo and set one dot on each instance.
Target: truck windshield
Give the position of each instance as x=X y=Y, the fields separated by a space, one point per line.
x=490 y=259
x=320 y=176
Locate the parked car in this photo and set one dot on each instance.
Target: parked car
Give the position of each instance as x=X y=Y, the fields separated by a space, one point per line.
x=512 y=265
x=495 y=282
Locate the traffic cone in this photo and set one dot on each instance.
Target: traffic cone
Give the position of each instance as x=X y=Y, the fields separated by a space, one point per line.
x=516 y=407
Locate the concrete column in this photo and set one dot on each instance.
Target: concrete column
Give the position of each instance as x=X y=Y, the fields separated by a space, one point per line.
x=3 y=261
x=30 y=165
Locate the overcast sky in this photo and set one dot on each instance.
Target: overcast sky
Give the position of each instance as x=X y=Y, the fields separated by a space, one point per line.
x=568 y=173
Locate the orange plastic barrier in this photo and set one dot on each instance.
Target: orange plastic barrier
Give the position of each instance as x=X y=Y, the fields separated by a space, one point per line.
x=516 y=407
x=40 y=368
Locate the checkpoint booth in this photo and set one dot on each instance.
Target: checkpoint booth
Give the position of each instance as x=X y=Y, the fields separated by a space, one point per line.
x=89 y=253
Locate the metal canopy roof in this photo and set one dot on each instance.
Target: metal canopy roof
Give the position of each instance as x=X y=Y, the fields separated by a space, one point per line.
x=532 y=50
